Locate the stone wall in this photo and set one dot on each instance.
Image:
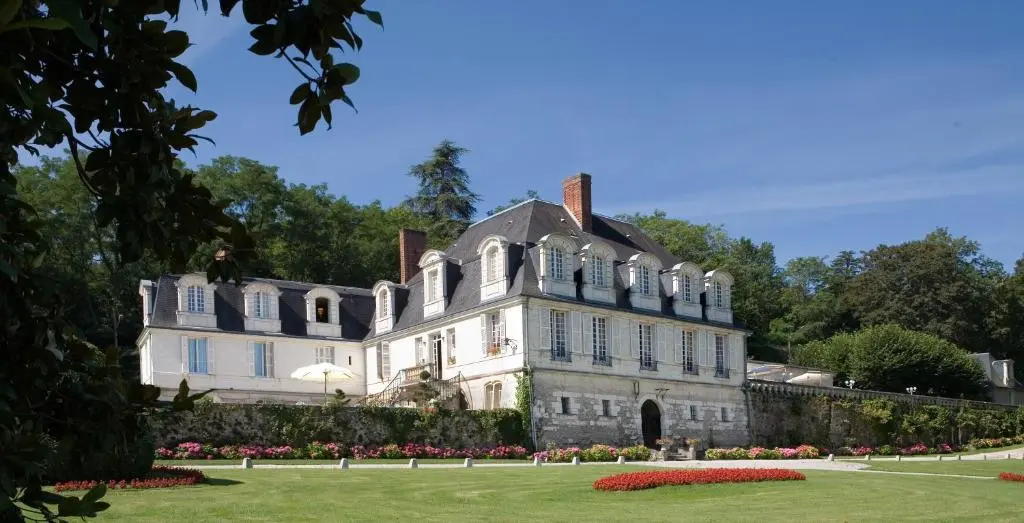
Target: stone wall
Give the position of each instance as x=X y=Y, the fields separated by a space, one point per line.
x=586 y=423
x=225 y=424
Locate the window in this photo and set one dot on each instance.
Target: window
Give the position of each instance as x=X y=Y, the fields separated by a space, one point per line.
x=687 y=348
x=325 y=355
x=599 y=328
x=497 y=330
x=556 y=268
x=196 y=299
x=261 y=305
x=693 y=413
x=492 y=395
x=435 y=348
x=493 y=264
x=559 y=336
x=644 y=279
x=382 y=305
x=421 y=356
x=718 y=294
x=323 y=310
x=597 y=271
x=492 y=332
x=566 y=406
x=383 y=361
x=606 y=408
x=687 y=292
x=721 y=348
x=451 y=346
x=725 y=414
x=647 y=361
x=433 y=285
x=197 y=356
x=262 y=360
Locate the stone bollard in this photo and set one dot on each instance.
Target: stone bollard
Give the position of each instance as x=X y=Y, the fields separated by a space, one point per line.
x=575 y=460
x=468 y=463
x=940 y=457
x=343 y=463
x=899 y=457
x=536 y=462
x=621 y=460
x=413 y=464
x=984 y=457
x=831 y=457
x=867 y=457
x=958 y=457
x=246 y=463
x=1009 y=456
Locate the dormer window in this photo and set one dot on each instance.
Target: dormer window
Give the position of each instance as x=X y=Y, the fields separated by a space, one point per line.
x=261 y=307
x=557 y=253
x=383 y=293
x=493 y=272
x=323 y=313
x=645 y=286
x=598 y=279
x=195 y=301
x=718 y=286
x=433 y=265
x=687 y=282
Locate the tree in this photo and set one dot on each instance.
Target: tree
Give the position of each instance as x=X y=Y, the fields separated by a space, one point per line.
x=891 y=358
x=97 y=69
x=1006 y=319
x=444 y=196
x=530 y=195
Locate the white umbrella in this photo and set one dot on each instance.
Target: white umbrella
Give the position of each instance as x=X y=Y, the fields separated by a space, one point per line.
x=323 y=371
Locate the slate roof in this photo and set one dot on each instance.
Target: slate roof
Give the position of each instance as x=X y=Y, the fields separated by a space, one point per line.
x=523 y=225
x=356 y=311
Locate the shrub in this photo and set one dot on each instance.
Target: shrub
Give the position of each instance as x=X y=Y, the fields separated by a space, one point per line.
x=1010 y=476
x=652 y=479
x=159 y=477
x=636 y=453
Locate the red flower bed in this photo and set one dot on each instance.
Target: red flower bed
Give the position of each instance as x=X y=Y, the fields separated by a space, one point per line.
x=658 y=478
x=1010 y=476
x=160 y=477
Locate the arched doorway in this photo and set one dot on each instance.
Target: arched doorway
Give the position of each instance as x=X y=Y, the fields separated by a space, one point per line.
x=650 y=423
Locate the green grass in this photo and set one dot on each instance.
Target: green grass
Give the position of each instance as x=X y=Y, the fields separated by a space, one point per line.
x=238 y=462
x=966 y=468
x=562 y=494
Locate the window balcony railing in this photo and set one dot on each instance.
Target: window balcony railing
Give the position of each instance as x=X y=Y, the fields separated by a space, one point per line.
x=603 y=359
x=690 y=368
x=649 y=365
x=560 y=355
x=721 y=372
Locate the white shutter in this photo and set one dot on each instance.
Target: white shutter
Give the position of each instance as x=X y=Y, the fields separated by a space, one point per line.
x=501 y=322
x=588 y=334
x=737 y=352
x=485 y=334
x=274 y=313
x=621 y=341
x=634 y=339
x=577 y=332
x=210 y=369
x=533 y=328
x=418 y=342
x=270 y=360
x=184 y=354
x=662 y=336
x=702 y=347
x=252 y=359
x=545 y=328
x=679 y=342
x=248 y=305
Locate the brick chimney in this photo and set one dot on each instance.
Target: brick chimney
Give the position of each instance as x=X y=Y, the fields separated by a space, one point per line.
x=576 y=197
x=411 y=246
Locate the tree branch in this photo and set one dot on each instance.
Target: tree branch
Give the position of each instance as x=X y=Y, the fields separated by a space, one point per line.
x=74 y=143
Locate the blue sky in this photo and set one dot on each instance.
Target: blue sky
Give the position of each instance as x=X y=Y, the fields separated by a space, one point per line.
x=818 y=126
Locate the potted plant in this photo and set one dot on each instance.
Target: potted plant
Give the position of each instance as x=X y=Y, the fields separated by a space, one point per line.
x=451 y=360
x=664 y=443
x=691 y=448
x=493 y=350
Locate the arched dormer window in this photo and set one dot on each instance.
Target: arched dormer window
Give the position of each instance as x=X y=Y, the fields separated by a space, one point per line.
x=598 y=261
x=557 y=255
x=384 y=295
x=644 y=282
x=261 y=307
x=433 y=265
x=195 y=301
x=323 y=312
x=718 y=286
x=493 y=251
x=687 y=284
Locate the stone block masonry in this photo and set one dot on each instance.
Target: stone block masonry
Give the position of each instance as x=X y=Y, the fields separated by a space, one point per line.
x=583 y=409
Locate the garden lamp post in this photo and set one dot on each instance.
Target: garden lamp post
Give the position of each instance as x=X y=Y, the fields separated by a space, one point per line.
x=911 y=390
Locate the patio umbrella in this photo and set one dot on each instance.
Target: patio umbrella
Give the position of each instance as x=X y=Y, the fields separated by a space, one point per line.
x=323 y=371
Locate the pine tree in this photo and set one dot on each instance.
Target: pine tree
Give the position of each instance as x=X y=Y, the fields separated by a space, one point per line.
x=444 y=196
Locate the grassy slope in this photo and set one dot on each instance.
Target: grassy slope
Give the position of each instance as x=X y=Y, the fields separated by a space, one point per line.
x=561 y=494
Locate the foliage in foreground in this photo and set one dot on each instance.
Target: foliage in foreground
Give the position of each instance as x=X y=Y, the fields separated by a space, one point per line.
x=660 y=478
x=329 y=450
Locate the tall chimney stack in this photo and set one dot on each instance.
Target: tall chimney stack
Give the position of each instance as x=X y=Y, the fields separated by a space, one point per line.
x=576 y=197
x=411 y=246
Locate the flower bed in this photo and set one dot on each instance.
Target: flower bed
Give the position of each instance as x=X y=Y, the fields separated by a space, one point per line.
x=160 y=477
x=1010 y=476
x=801 y=452
x=320 y=450
x=594 y=454
x=652 y=479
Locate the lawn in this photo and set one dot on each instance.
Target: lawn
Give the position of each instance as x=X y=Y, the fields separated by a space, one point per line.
x=565 y=494
x=965 y=468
